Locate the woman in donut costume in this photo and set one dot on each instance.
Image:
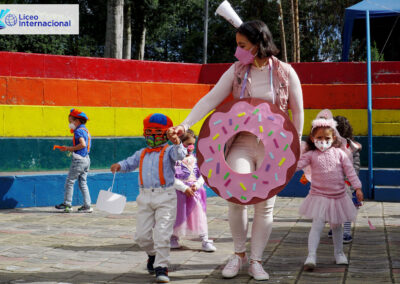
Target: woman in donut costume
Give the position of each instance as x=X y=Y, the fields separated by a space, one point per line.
x=257 y=74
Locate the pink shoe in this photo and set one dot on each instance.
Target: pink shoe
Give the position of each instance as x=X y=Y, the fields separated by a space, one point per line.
x=233 y=266
x=257 y=271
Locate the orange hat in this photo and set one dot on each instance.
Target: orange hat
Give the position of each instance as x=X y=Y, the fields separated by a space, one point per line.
x=78 y=114
x=157 y=120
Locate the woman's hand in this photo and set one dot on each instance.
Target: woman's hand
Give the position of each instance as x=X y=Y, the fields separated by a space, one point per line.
x=194 y=188
x=115 y=168
x=359 y=194
x=173 y=133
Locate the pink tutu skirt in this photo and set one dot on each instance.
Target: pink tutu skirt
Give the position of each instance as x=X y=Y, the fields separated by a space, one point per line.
x=331 y=210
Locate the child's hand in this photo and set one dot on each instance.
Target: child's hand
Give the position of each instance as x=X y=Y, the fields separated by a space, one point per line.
x=193 y=188
x=189 y=192
x=64 y=148
x=303 y=179
x=359 y=194
x=115 y=168
x=61 y=148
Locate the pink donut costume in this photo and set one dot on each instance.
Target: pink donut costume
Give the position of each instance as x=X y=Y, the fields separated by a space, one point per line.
x=281 y=146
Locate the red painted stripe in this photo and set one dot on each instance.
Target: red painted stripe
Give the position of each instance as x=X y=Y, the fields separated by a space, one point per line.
x=350 y=96
x=71 y=67
x=323 y=72
x=60 y=92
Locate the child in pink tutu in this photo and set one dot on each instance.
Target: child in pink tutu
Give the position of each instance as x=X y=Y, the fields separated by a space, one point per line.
x=327 y=200
x=191 y=218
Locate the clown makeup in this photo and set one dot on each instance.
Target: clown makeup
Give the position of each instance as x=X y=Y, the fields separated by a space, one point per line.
x=155 y=136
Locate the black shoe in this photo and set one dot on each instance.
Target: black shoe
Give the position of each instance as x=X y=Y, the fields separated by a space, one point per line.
x=85 y=209
x=162 y=274
x=150 y=262
x=65 y=207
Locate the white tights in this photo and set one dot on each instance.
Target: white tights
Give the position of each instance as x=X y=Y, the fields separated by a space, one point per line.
x=315 y=235
x=244 y=156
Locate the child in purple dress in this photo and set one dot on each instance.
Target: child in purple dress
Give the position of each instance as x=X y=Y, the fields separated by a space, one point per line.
x=191 y=218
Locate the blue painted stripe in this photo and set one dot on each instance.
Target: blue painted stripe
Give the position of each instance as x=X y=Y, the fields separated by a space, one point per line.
x=48 y=189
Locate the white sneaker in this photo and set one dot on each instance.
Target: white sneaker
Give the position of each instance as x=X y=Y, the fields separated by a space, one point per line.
x=341 y=258
x=208 y=246
x=174 y=243
x=233 y=266
x=310 y=262
x=257 y=271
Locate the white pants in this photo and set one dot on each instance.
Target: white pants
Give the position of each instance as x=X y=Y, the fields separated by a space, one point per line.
x=155 y=222
x=245 y=156
x=315 y=235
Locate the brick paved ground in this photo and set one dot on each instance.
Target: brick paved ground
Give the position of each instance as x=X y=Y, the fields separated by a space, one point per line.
x=38 y=245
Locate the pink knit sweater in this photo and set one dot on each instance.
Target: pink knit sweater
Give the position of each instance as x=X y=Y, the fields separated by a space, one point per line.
x=328 y=170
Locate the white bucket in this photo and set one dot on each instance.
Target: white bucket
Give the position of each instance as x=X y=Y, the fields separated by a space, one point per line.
x=225 y=10
x=110 y=202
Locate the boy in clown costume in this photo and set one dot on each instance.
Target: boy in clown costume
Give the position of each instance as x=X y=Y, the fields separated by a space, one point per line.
x=80 y=162
x=157 y=198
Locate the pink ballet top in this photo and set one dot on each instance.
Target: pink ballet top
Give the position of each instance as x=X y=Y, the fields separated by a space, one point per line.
x=328 y=171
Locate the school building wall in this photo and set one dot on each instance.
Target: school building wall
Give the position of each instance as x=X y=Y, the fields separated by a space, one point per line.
x=37 y=91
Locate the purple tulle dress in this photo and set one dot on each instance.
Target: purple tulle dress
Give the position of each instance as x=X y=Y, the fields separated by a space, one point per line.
x=191 y=218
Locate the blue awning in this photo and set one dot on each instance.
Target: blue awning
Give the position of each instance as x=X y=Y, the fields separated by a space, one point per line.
x=377 y=9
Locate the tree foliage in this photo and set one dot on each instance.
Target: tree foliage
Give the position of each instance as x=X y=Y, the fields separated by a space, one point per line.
x=174 y=29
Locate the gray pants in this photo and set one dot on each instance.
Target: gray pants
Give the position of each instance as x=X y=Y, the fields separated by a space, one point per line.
x=78 y=171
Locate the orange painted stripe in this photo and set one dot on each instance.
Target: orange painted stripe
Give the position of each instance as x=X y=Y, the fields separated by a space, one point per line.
x=61 y=92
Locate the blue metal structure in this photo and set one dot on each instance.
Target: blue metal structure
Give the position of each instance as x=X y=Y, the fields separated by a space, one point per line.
x=370 y=146
x=367 y=9
x=376 y=8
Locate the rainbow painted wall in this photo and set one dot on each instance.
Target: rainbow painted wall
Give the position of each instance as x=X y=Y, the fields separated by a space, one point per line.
x=37 y=92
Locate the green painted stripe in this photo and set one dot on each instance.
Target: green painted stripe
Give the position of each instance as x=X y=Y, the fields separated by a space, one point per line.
x=36 y=154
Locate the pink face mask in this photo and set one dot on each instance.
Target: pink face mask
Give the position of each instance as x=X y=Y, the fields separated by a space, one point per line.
x=244 y=56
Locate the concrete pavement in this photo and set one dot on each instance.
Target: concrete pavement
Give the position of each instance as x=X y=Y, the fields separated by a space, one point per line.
x=39 y=245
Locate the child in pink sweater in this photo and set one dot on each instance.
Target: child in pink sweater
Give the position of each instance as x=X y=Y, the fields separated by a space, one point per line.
x=327 y=200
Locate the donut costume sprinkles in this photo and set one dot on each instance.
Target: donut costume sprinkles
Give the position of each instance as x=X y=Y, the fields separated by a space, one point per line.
x=275 y=131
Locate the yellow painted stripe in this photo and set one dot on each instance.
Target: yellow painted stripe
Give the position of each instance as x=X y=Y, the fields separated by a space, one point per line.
x=384 y=122
x=1 y=121
x=40 y=121
x=47 y=121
